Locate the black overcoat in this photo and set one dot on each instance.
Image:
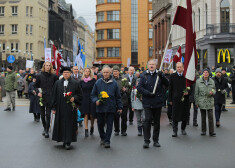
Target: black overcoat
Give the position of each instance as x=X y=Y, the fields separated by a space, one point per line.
x=65 y=124
x=34 y=100
x=180 y=109
x=87 y=106
x=219 y=97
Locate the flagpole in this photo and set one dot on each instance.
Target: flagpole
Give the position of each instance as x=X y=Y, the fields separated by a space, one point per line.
x=167 y=44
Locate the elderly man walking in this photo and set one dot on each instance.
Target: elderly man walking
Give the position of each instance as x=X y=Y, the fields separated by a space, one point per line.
x=11 y=87
x=106 y=110
x=152 y=102
x=204 y=92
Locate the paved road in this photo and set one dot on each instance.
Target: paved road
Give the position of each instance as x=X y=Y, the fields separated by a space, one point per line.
x=22 y=146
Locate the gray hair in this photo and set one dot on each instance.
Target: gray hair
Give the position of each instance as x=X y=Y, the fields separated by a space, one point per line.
x=131 y=67
x=180 y=64
x=152 y=60
x=106 y=66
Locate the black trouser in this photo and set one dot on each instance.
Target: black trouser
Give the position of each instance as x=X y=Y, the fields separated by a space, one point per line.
x=195 y=112
x=45 y=117
x=233 y=92
x=169 y=112
x=210 y=120
x=19 y=93
x=218 y=108
x=123 y=116
x=36 y=115
x=175 y=125
x=155 y=115
x=131 y=113
x=102 y=119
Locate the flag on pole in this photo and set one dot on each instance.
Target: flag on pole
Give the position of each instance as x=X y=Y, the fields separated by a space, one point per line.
x=56 y=61
x=183 y=18
x=178 y=55
x=45 y=44
x=78 y=60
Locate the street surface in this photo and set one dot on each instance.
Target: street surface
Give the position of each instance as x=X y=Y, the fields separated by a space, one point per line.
x=23 y=146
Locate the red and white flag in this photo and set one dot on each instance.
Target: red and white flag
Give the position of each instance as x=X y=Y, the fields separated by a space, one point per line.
x=183 y=18
x=178 y=56
x=56 y=60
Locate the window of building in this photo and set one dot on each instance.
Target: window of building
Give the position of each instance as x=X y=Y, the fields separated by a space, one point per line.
x=27 y=47
x=113 y=16
x=150 y=0
x=113 y=1
x=2 y=11
x=150 y=14
x=199 y=19
x=206 y=14
x=31 y=29
x=14 y=28
x=150 y=51
x=27 y=11
x=100 y=1
x=134 y=32
x=2 y=29
x=3 y=47
x=14 y=10
x=31 y=47
x=100 y=16
x=100 y=34
x=113 y=33
x=224 y=16
x=100 y=52
x=31 y=11
x=27 y=29
x=17 y=47
x=150 y=33
x=113 y=52
x=12 y=47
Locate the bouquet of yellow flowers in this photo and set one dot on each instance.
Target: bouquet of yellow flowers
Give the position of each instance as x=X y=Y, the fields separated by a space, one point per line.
x=103 y=96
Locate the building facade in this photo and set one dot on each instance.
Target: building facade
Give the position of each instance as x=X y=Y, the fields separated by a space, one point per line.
x=89 y=46
x=161 y=27
x=123 y=32
x=23 y=26
x=214 y=22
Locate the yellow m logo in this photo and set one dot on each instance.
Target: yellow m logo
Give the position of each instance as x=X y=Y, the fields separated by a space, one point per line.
x=224 y=55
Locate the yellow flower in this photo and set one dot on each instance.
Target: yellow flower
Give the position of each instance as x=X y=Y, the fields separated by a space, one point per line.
x=104 y=94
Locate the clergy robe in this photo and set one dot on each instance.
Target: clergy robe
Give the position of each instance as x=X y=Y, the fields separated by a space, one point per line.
x=180 y=109
x=65 y=124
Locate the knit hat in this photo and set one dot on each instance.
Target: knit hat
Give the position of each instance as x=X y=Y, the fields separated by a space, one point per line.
x=223 y=69
x=218 y=70
x=206 y=69
x=10 y=67
x=65 y=69
x=116 y=68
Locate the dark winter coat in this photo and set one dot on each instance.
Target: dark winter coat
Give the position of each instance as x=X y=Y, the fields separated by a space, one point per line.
x=34 y=100
x=146 y=86
x=191 y=96
x=87 y=106
x=46 y=81
x=125 y=95
x=133 y=82
x=180 y=109
x=65 y=124
x=220 y=86
x=114 y=102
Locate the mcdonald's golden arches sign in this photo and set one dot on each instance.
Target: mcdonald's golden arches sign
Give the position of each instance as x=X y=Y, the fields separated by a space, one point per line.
x=223 y=54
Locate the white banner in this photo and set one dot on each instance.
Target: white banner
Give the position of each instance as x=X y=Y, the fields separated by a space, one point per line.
x=128 y=62
x=29 y=64
x=168 y=56
x=47 y=54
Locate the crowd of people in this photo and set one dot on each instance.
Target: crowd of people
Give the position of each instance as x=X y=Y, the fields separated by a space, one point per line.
x=113 y=95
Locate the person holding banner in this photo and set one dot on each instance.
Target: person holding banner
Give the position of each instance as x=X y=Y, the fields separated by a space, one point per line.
x=45 y=81
x=152 y=102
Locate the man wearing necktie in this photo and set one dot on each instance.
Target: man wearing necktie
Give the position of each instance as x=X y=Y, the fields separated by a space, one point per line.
x=132 y=79
x=76 y=74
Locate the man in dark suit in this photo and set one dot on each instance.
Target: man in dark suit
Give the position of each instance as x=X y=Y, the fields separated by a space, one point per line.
x=76 y=74
x=132 y=79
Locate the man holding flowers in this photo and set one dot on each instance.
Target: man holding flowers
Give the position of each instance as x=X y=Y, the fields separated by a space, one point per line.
x=106 y=95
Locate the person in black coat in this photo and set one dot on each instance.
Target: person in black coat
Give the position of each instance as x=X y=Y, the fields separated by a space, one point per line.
x=180 y=108
x=65 y=124
x=221 y=84
x=34 y=101
x=152 y=102
x=45 y=81
x=132 y=79
x=88 y=108
x=232 y=77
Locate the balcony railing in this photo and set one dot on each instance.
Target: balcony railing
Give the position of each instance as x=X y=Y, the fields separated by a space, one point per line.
x=222 y=28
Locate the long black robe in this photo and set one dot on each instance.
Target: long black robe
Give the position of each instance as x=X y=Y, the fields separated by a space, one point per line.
x=65 y=124
x=180 y=110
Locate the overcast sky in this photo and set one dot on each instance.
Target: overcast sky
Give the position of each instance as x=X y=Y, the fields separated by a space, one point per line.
x=85 y=8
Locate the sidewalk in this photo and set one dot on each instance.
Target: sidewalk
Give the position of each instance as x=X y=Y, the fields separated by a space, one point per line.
x=19 y=102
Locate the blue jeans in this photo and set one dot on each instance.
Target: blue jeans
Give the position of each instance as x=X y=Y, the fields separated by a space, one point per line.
x=218 y=108
x=102 y=119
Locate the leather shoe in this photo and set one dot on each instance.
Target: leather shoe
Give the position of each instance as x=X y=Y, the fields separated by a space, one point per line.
x=184 y=132
x=116 y=133
x=7 y=109
x=217 y=124
x=43 y=132
x=174 y=134
x=46 y=135
x=203 y=133
x=13 y=109
x=67 y=147
x=124 y=134
x=213 y=134
x=146 y=145
x=106 y=145
x=156 y=144
x=102 y=142
x=195 y=124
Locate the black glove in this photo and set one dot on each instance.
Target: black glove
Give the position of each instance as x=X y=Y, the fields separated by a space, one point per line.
x=160 y=74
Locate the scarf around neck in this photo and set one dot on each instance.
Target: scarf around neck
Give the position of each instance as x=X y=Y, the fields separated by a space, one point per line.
x=87 y=79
